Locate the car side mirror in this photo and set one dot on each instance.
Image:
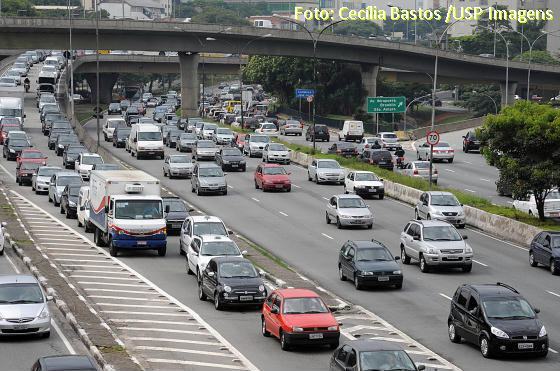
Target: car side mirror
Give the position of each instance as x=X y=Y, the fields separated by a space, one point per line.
x=230 y=232
x=106 y=209
x=416 y=238
x=537 y=310
x=465 y=237
x=211 y=274
x=191 y=210
x=274 y=310
x=167 y=208
x=135 y=140
x=421 y=367
x=49 y=298
x=425 y=203
x=397 y=258
x=244 y=252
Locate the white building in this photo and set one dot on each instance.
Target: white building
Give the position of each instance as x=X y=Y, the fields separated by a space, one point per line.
x=136 y=9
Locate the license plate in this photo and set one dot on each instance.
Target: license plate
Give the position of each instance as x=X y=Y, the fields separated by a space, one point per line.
x=21 y=327
x=372 y=190
x=175 y=225
x=141 y=243
x=234 y=165
x=383 y=279
x=452 y=258
x=279 y=186
x=315 y=336
x=151 y=153
x=525 y=346
x=245 y=298
x=554 y=214
x=382 y=162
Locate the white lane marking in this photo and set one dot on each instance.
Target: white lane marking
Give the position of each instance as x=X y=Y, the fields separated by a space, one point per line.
x=91 y=266
x=283 y=213
x=468 y=162
x=294 y=185
x=470 y=190
x=127 y=298
x=477 y=262
x=147 y=314
x=13 y=265
x=137 y=306
x=12 y=176
x=112 y=284
x=142 y=338
x=168 y=330
x=63 y=338
x=123 y=291
x=485 y=180
x=255 y=199
x=193 y=363
x=104 y=277
x=151 y=321
x=451 y=171
x=445 y=296
x=326 y=235
x=230 y=186
x=179 y=350
x=93 y=271
x=552 y=350
x=553 y=293
x=499 y=240
x=324 y=198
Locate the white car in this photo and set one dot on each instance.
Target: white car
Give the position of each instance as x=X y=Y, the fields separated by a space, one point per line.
x=420 y=169
x=364 y=183
x=551 y=205
x=389 y=141
x=110 y=125
x=205 y=247
x=2 y=239
x=199 y=225
x=84 y=163
x=207 y=131
x=84 y=209
x=276 y=152
x=46 y=99
x=267 y=128
x=366 y=143
x=325 y=170
x=442 y=151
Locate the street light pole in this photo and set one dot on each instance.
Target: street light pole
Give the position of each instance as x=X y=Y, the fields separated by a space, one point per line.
x=408 y=106
x=71 y=65
x=492 y=99
x=531 y=45
x=97 y=111
x=507 y=62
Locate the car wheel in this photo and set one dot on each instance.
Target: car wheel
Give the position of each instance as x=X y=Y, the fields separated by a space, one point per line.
x=181 y=251
x=357 y=283
x=341 y=275
x=404 y=258
x=284 y=342
x=416 y=215
x=46 y=335
x=217 y=302
x=309 y=176
x=256 y=184
x=423 y=265
x=452 y=332
x=316 y=179
x=338 y=225
x=398 y=286
x=370 y=226
x=553 y=269
x=161 y=251
x=428 y=217
x=485 y=347
x=328 y=219
x=198 y=191
x=80 y=223
x=334 y=345
x=467 y=268
x=113 y=250
x=450 y=160
x=264 y=331
x=532 y=260
x=201 y=294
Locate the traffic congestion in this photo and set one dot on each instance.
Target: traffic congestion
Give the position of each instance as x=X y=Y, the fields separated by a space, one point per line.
x=187 y=187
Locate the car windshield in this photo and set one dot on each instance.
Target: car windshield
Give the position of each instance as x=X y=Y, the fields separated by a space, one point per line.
x=199 y=125
x=9 y=80
x=188 y=136
x=66 y=180
x=304 y=306
x=231 y=152
x=75 y=150
x=138 y=209
x=442 y=144
x=114 y=106
x=180 y=159
x=7 y=129
x=441 y=233
x=274 y=170
x=106 y=167
x=116 y=124
x=29 y=166
x=201 y=228
x=19 y=65
x=174 y=133
x=385 y=360
x=507 y=308
x=351 y=203
x=10 y=112
x=32 y=155
x=48 y=99
x=47 y=171
x=175 y=205
x=444 y=200
x=9 y=121
x=20 y=293
x=553 y=195
x=74 y=191
x=365 y=177
x=389 y=136
x=260 y=139
x=149 y=135
x=328 y=165
x=422 y=165
x=224 y=131
x=219 y=248
x=210 y=126
x=375 y=254
x=237 y=270
x=123 y=133
x=91 y=160
x=268 y=126
x=18 y=143
x=212 y=172
x=276 y=147
x=205 y=144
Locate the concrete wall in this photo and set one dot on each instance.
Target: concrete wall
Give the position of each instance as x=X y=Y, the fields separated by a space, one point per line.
x=446 y=128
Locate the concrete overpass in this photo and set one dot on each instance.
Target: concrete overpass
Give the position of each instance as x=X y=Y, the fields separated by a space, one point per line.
x=189 y=39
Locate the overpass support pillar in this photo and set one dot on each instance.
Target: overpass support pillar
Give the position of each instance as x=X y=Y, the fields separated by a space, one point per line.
x=190 y=88
x=511 y=93
x=369 y=81
x=106 y=83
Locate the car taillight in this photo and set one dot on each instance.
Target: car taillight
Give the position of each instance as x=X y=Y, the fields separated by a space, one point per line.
x=415 y=172
x=435 y=171
x=366 y=146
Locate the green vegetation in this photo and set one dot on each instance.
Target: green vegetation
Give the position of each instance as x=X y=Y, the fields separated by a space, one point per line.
x=476 y=98
x=537 y=56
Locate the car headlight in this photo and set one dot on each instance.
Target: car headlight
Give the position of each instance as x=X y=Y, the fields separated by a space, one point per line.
x=297 y=329
x=242 y=162
x=261 y=289
x=12 y=151
x=44 y=313
x=461 y=213
x=363 y=273
x=437 y=212
x=225 y=162
x=71 y=203
x=499 y=333
x=432 y=251
x=345 y=216
x=542 y=333
x=468 y=249
x=397 y=272
x=332 y=328
x=227 y=289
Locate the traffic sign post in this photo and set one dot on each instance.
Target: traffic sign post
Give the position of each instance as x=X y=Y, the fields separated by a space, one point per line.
x=310 y=99
x=304 y=93
x=386 y=104
x=432 y=138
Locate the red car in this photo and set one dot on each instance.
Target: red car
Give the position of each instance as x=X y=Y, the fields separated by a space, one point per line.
x=31 y=156
x=6 y=128
x=299 y=317
x=24 y=173
x=272 y=177
x=240 y=141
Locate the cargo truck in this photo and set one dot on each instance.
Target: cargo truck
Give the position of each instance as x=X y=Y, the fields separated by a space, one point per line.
x=127 y=211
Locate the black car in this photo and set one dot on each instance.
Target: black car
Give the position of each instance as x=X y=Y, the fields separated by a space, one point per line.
x=470 y=142
x=13 y=148
x=106 y=167
x=321 y=133
x=69 y=200
x=133 y=120
x=369 y=263
x=70 y=155
x=131 y=111
x=53 y=136
x=378 y=157
x=49 y=119
x=231 y=158
x=66 y=362
x=181 y=123
x=120 y=135
x=172 y=137
x=177 y=213
x=124 y=105
x=246 y=287
x=114 y=109
x=343 y=149
x=158 y=116
x=372 y=355
x=64 y=140
x=49 y=109
x=25 y=171
x=497 y=319
x=545 y=250
x=164 y=130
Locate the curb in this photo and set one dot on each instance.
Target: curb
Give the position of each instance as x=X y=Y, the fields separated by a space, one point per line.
x=61 y=305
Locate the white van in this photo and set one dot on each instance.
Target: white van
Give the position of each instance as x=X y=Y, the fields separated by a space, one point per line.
x=352 y=130
x=110 y=125
x=83 y=209
x=145 y=140
x=12 y=107
x=52 y=61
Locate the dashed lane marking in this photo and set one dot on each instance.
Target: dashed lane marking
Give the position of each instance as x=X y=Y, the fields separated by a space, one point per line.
x=477 y=262
x=282 y=213
x=327 y=236
x=255 y=199
x=485 y=180
x=449 y=170
x=553 y=293
x=470 y=190
x=445 y=296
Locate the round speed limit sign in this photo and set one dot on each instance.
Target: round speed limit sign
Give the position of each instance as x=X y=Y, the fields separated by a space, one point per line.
x=310 y=98
x=432 y=138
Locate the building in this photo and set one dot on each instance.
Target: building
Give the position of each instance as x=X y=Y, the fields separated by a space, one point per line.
x=133 y=9
x=553 y=41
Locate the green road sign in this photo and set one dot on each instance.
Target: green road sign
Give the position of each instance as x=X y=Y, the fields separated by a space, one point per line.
x=386 y=104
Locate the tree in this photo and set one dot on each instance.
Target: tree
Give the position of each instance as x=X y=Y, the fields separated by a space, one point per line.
x=475 y=98
x=358 y=28
x=524 y=144
x=219 y=16
x=537 y=56
x=17 y=7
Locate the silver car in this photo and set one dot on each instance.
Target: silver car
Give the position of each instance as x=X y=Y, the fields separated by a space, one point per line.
x=208 y=178
x=23 y=307
x=276 y=152
x=177 y=166
x=442 y=152
x=41 y=179
x=389 y=141
x=291 y=127
x=324 y=170
x=435 y=243
x=420 y=169
x=205 y=150
x=441 y=206
x=186 y=142
x=254 y=144
x=59 y=181
x=222 y=136
x=348 y=210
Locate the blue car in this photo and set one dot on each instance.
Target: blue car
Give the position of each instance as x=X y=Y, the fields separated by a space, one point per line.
x=545 y=250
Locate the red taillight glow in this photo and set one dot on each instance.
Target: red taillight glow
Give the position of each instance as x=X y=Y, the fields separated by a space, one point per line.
x=415 y=172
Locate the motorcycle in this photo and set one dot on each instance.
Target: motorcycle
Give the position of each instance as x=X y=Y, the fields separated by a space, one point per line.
x=26 y=86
